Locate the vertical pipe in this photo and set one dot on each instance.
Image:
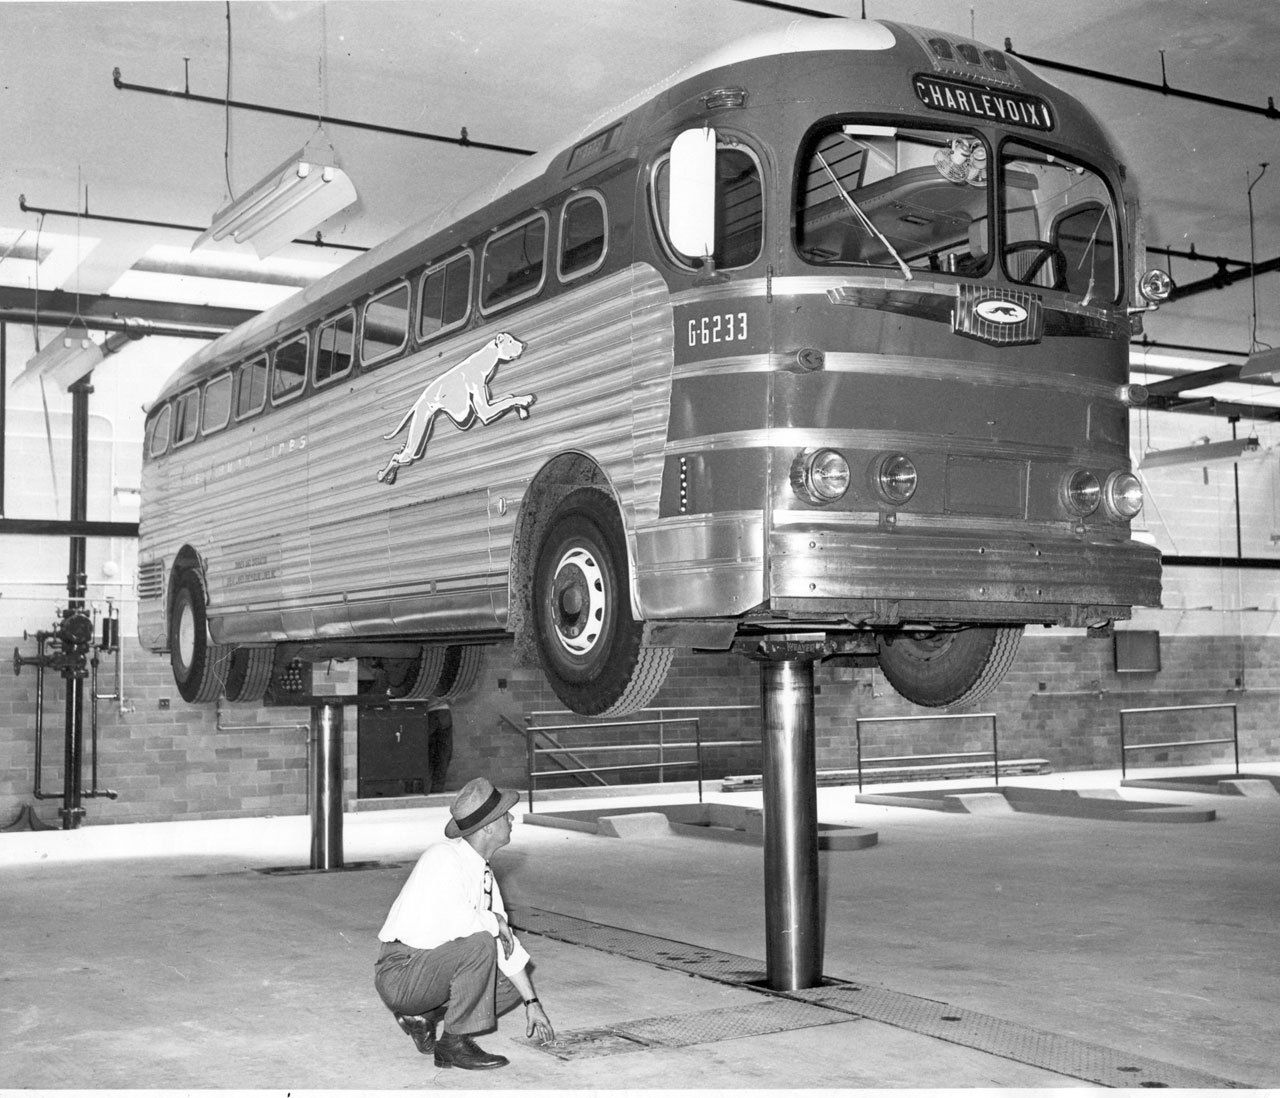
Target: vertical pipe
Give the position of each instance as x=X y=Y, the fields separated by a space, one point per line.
x=325 y=761
x=529 y=765
x=793 y=938
x=77 y=584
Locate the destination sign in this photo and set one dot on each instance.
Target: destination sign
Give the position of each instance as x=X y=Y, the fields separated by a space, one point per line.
x=988 y=103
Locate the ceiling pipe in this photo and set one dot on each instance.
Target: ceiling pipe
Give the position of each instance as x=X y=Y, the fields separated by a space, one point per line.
x=463 y=140
x=1163 y=88
x=318 y=242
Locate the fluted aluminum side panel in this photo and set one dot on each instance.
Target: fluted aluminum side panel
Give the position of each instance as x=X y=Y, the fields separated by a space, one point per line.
x=429 y=552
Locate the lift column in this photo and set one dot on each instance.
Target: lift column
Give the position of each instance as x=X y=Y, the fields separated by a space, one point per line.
x=325 y=766
x=793 y=929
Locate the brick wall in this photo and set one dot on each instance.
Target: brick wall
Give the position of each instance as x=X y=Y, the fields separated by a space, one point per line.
x=1060 y=702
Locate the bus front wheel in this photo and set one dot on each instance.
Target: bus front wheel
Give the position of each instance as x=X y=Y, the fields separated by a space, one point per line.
x=590 y=645
x=945 y=668
x=199 y=666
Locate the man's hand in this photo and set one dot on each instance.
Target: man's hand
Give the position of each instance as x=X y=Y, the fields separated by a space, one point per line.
x=537 y=1022
x=505 y=936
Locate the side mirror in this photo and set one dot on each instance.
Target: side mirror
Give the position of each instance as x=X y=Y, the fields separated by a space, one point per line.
x=692 y=221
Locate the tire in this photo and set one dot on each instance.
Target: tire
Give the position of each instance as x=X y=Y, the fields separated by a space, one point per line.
x=200 y=667
x=461 y=670
x=249 y=674
x=423 y=678
x=589 y=644
x=948 y=668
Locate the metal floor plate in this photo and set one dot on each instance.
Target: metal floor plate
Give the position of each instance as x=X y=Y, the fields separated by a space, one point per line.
x=837 y=1000
x=701 y=1027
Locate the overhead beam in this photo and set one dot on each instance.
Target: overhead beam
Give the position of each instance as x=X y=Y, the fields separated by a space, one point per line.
x=57 y=308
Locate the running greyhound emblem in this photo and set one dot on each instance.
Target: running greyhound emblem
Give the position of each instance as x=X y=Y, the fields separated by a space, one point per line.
x=461 y=393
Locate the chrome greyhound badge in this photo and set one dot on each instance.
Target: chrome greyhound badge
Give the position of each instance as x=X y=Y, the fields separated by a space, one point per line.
x=461 y=393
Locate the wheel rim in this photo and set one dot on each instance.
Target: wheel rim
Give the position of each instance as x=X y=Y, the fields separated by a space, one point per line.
x=578 y=602
x=186 y=634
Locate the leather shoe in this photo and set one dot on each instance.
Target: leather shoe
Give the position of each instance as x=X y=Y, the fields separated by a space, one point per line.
x=460 y=1051
x=422 y=1028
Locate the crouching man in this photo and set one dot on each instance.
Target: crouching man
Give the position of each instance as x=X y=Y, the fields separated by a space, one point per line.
x=448 y=953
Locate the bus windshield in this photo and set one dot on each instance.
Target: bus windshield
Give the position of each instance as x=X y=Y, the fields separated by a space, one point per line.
x=1058 y=225
x=919 y=199
x=886 y=196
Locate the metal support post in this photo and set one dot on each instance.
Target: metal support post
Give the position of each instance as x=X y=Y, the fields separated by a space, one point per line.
x=793 y=930
x=77 y=588
x=325 y=777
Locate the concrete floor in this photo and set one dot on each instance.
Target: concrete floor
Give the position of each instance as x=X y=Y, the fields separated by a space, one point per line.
x=156 y=956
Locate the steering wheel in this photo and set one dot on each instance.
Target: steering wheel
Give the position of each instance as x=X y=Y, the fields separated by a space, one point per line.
x=1047 y=251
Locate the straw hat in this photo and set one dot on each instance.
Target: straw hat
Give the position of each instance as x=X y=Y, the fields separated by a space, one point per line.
x=478 y=803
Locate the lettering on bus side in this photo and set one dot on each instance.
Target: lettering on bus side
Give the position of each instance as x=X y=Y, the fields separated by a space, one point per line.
x=270 y=452
x=709 y=329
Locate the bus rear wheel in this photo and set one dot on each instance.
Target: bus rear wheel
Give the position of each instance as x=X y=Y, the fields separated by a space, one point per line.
x=945 y=668
x=199 y=666
x=249 y=674
x=590 y=646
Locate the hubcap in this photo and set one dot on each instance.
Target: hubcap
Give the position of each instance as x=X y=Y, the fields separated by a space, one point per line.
x=186 y=635
x=578 y=600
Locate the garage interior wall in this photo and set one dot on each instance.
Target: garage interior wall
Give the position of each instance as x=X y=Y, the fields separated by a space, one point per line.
x=166 y=760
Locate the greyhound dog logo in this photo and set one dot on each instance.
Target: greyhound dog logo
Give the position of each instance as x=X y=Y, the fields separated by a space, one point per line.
x=461 y=393
x=1000 y=312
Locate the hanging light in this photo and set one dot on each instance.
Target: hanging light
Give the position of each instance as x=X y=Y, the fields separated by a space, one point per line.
x=297 y=196
x=65 y=359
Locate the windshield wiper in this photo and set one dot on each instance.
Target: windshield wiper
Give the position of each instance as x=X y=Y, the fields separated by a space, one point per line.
x=863 y=219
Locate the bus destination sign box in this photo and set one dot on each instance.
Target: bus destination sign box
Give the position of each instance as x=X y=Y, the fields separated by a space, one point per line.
x=989 y=103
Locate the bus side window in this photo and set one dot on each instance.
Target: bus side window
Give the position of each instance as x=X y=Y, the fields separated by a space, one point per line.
x=385 y=330
x=186 y=416
x=1086 y=237
x=583 y=236
x=739 y=208
x=513 y=264
x=444 y=297
x=335 y=347
x=158 y=432
x=289 y=369
x=252 y=394
x=217 y=405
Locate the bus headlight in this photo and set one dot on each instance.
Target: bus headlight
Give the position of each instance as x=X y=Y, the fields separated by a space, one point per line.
x=1082 y=493
x=820 y=476
x=1155 y=286
x=895 y=478
x=1123 y=495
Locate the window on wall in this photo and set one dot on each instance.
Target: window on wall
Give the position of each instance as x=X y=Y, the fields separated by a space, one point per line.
x=217 y=405
x=582 y=236
x=158 y=432
x=513 y=264
x=186 y=417
x=444 y=298
x=335 y=345
x=289 y=369
x=386 y=324
x=252 y=394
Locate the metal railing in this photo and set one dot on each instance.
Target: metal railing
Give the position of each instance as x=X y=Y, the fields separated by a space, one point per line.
x=688 y=718
x=1233 y=739
x=993 y=754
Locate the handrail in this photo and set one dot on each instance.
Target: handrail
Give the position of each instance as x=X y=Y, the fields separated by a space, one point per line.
x=679 y=715
x=1233 y=739
x=995 y=740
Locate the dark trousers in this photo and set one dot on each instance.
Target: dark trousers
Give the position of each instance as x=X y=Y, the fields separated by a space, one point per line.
x=462 y=976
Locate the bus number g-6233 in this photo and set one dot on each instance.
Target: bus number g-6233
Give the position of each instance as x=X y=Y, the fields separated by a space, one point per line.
x=718 y=328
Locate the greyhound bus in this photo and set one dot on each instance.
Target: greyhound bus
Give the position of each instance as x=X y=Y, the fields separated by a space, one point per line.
x=819 y=346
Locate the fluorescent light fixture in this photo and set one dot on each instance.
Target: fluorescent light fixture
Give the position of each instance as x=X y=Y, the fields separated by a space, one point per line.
x=297 y=196
x=1200 y=453
x=66 y=358
x=1261 y=366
